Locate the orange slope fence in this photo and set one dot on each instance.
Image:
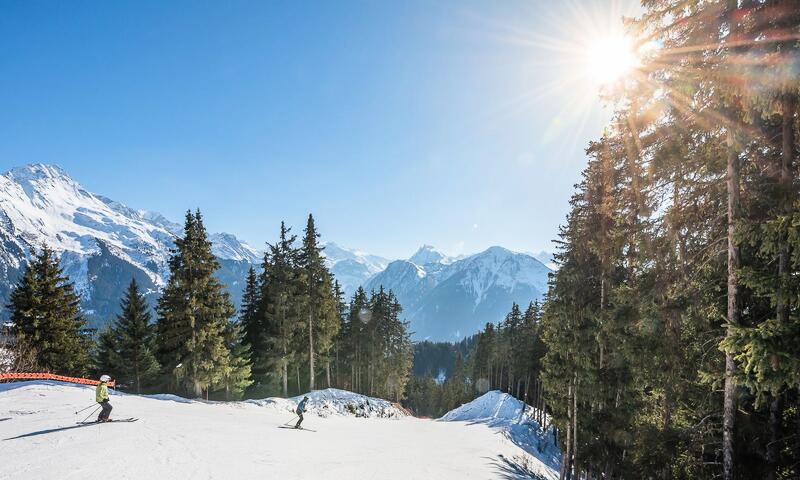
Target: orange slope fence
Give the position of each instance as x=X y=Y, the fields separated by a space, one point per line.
x=49 y=376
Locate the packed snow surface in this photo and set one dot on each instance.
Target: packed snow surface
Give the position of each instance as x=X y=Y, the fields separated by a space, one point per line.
x=177 y=438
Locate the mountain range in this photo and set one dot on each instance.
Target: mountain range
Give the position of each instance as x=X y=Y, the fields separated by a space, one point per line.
x=446 y=298
x=102 y=243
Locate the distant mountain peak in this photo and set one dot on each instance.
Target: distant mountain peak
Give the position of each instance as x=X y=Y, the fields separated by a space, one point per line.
x=427 y=254
x=34 y=171
x=351 y=267
x=498 y=250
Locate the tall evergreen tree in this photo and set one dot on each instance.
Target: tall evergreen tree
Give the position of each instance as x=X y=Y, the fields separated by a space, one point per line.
x=319 y=305
x=249 y=311
x=194 y=312
x=281 y=305
x=46 y=317
x=126 y=348
x=237 y=371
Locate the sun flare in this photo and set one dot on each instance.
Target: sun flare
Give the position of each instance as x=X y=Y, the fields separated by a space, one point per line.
x=610 y=59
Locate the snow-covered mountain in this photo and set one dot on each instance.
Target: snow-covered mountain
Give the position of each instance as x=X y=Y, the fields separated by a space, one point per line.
x=352 y=267
x=447 y=299
x=428 y=254
x=101 y=243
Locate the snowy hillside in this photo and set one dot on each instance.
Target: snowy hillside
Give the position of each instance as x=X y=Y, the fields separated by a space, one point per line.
x=514 y=420
x=446 y=299
x=181 y=439
x=332 y=401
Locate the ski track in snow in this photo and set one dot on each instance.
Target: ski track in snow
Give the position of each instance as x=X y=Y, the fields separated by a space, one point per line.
x=177 y=438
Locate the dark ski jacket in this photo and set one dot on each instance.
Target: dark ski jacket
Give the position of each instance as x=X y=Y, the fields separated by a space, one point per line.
x=301 y=407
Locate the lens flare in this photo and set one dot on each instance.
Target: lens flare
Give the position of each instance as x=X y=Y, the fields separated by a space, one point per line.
x=610 y=59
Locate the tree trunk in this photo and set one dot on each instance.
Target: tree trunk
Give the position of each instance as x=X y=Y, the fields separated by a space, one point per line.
x=527 y=387
x=729 y=404
x=575 y=426
x=138 y=380
x=285 y=378
x=337 y=367
x=328 y=372
x=775 y=414
x=310 y=353
x=566 y=461
x=782 y=308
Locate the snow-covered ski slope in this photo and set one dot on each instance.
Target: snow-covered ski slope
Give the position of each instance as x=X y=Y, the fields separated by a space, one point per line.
x=176 y=438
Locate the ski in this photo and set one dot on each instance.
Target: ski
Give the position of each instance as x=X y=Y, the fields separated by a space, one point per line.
x=121 y=420
x=4 y=419
x=288 y=427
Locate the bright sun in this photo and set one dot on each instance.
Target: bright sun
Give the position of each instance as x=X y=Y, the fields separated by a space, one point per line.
x=610 y=59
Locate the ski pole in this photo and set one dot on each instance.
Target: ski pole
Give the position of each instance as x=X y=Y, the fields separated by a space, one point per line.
x=87 y=408
x=292 y=420
x=93 y=411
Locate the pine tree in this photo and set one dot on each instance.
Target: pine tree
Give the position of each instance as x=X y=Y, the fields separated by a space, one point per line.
x=194 y=312
x=339 y=340
x=358 y=319
x=319 y=305
x=236 y=373
x=46 y=317
x=484 y=356
x=106 y=355
x=249 y=312
x=281 y=305
x=126 y=348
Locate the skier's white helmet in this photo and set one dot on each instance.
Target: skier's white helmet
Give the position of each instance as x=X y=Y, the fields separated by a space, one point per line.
x=105 y=378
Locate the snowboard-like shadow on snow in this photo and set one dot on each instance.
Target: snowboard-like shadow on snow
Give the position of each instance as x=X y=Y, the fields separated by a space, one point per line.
x=51 y=430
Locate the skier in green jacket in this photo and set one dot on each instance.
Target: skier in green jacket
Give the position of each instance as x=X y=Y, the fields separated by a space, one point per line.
x=101 y=396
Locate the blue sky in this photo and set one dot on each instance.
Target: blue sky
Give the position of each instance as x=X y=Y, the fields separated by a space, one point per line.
x=454 y=123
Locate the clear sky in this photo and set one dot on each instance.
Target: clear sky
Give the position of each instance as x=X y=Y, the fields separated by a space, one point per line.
x=456 y=123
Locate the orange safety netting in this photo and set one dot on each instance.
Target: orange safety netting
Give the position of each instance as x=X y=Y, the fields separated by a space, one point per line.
x=49 y=376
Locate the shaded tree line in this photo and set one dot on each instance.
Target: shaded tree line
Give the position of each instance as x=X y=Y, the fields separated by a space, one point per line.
x=300 y=327
x=506 y=357
x=672 y=326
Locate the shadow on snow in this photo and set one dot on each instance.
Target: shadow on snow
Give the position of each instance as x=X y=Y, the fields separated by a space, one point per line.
x=51 y=430
x=513 y=469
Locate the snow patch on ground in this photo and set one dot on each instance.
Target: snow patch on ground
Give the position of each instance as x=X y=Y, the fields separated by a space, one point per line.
x=515 y=420
x=332 y=401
